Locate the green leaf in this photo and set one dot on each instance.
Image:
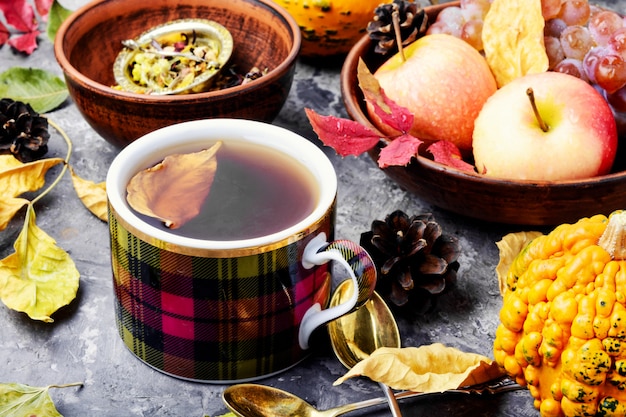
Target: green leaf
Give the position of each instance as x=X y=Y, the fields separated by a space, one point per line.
x=56 y=16
x=39 y=277
x=41 y=89
x=24 y=400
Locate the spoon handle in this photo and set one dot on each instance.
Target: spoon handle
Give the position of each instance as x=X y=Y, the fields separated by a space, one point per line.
x=493 y=387
x=391 y=399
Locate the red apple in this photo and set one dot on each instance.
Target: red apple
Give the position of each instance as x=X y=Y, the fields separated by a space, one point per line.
x=444 y=82
x=580 y=140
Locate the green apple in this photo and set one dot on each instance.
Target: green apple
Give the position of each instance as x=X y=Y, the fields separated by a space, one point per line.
x=578 y=139
x=444 y=82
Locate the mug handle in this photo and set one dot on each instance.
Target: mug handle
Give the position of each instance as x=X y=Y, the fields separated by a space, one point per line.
x=359 y=266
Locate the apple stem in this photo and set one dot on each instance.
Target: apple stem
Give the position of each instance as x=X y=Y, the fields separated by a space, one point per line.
x=531 y=96
x=395 y=18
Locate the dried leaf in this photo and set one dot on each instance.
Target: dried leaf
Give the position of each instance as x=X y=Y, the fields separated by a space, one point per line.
x=346 y=137
x=39 y=277
x=447 y=153
x=26 y=43
x=174 y=190
x=43 y=7
x=4 y=34
x=57 y=15
x=18 y=178
x=513 y=39
x=24 y=400
x=92 y=195
x=43 y=90
x=509 y=247
x=19 y=14
x=397 y=117
x=399 y=151
x=431 y=368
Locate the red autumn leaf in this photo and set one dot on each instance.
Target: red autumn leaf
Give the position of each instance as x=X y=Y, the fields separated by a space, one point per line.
x=43 y=7
x=4 y=34
x=26 y=43
x=393 y=115
x=400 y=117
x=399 y=151
x=19 y=14
x=346 y=137
x=446 y=153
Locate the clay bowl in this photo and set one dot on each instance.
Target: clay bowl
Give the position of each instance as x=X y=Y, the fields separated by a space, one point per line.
x=478 y=197
x=88 y=42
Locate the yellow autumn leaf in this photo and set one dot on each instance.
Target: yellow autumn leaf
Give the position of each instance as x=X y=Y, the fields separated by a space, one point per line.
x=430 y=368
x=513 y=39
x=509 y=247
x=93 y=195
x=174 y=190
x=39 y=277
x=24 y=400
x=17 y=178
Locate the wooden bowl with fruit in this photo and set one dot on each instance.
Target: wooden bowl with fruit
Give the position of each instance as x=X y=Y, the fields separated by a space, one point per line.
x=543 y=152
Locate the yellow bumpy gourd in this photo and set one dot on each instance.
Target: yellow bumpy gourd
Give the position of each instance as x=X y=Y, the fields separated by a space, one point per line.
x=563 y=319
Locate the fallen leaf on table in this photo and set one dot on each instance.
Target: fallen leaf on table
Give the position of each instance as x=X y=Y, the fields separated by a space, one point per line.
x=513 y=39
x=509 y=247
x=20 y=14
x=18 y=178
x=39 y=277
x=24 y=400
x=42 y=89
x=430 y=368
x=93 y=195
x=175 y=189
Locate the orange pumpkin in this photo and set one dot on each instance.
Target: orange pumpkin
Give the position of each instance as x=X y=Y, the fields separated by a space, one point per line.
x=330 y=27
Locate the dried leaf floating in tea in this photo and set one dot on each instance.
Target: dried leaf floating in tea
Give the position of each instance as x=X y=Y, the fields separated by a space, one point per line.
x=174 y=190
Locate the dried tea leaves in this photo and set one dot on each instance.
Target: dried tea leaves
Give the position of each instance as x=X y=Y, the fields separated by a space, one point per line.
x=174 y=190
x=513 y=39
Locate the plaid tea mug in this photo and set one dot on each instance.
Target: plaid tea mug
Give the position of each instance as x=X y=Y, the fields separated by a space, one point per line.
x=232 y=310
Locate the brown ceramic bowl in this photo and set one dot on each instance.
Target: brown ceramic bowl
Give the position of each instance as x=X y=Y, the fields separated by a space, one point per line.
x=479 y=197
x=88 y=42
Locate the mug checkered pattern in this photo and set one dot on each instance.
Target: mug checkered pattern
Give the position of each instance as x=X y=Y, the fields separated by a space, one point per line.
x=213 y=319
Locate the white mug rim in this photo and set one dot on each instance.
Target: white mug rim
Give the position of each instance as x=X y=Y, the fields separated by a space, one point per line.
x=152 y=147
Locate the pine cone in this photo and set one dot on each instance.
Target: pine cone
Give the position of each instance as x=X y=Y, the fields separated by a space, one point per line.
x=23 y=132
x=413 y=21
x=415 y=260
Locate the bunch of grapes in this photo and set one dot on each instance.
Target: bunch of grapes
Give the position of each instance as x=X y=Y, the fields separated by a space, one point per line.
x=582 y=40
x=465 y=21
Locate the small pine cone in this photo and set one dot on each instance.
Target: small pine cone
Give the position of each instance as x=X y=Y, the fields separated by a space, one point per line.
x=23 y=132
x=415 y=260
x=413 y=22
